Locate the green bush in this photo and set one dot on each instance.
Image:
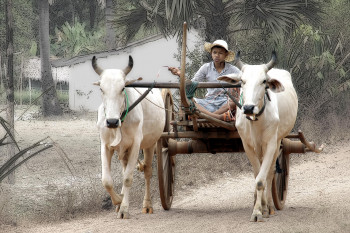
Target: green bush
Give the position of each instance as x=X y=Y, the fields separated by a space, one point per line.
x=33 y=97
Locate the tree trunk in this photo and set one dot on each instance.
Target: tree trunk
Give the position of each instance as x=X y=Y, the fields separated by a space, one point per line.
x=92 y=11
x=9 y=85
x=50 y=104
x=110 y=33
x=21 y=80
x=1 y=79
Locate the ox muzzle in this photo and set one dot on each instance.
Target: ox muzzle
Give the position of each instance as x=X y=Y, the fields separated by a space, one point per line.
x=113 y=123
x=248 y=109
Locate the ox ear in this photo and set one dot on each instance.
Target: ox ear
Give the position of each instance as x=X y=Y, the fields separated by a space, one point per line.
x=234 y=78
x=96 y=83
x=128 y=82
x=275 y=85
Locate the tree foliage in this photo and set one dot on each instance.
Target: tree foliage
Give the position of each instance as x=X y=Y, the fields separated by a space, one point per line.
x=276 y=15
x=316 y=53
x=75 y=40
x=24 y=29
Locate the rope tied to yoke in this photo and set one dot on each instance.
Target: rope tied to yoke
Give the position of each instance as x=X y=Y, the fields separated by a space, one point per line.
x=128 y=109
x=191 y=88
x=238 y=103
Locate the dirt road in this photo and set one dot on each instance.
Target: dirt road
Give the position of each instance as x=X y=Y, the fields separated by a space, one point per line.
x=318 y=201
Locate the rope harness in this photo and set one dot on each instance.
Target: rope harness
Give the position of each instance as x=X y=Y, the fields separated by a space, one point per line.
x=128 y=109
x=263 y=107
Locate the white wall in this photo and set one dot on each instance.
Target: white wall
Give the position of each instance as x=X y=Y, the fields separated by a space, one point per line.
x=148 y=61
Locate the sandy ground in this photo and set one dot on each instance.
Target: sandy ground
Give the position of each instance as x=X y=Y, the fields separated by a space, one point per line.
x=207 y=200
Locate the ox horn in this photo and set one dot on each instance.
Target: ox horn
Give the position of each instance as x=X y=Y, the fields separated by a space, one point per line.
x=97 y=69
x=272 y=63
x=238 y=61
x=129 y=67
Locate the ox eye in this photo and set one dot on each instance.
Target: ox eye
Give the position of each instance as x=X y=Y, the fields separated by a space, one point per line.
x=123 y=89
x=101 y=90
x=264 y=82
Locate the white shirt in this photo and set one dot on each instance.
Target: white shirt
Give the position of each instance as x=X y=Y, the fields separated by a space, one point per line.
x=208 y=73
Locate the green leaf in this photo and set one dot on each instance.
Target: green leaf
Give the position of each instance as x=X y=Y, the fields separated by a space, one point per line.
x=320 y=75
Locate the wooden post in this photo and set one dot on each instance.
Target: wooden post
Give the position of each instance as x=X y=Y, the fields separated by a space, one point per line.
x=183 y=96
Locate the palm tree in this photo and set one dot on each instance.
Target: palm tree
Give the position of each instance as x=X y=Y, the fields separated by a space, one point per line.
x=277 y=16
x=108 y=5
x=50 y=104
x=10 y=110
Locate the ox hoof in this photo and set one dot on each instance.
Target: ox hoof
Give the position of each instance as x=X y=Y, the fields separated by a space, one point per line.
x=117 y=208
x=140 y=167
x=123 y=215
x=272 y=210
x=123 y=212
x=257 y=218
x=266 y=214
x=147 y=210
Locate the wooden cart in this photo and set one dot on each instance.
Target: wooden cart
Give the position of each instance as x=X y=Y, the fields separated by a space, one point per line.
x=204 y=134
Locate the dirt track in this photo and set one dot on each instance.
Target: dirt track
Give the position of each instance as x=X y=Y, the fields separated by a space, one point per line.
x=318 y=196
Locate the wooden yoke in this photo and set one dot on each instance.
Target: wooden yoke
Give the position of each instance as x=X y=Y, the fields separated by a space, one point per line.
x=183 y=96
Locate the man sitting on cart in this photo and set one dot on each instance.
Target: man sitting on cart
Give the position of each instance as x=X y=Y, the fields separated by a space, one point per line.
x=215 y=103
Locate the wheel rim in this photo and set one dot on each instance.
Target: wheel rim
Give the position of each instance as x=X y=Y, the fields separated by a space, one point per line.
x=166 y=163
x=166 y=175
x=280 y=180
x=169 y=116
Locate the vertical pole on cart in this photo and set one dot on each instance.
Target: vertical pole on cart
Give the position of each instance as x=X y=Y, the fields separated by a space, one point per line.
x=184 y=100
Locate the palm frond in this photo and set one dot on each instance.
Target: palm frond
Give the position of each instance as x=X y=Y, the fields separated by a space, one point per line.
x=3 y=174
x=131 y=22
x=6 y=126
x=164 y=15
x=279 y=16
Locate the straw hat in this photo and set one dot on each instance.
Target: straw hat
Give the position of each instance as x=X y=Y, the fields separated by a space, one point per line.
x=220 y=43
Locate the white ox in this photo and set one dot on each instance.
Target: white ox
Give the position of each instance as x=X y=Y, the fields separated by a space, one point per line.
x=262 y=133
x=140 y=129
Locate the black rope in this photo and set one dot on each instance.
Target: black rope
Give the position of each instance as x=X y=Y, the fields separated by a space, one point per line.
x=138 y=100
x=232 y=98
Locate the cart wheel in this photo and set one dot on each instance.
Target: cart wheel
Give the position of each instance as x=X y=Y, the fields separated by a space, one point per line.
x=280 y=181
x=169 y=112
x=166 y=163
x=166 y=175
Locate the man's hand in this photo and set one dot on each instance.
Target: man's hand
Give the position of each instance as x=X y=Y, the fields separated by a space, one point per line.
x=175 y=71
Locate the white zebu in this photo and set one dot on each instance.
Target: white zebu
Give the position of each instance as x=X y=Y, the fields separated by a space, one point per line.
x=262 y=133
x=139 y=129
